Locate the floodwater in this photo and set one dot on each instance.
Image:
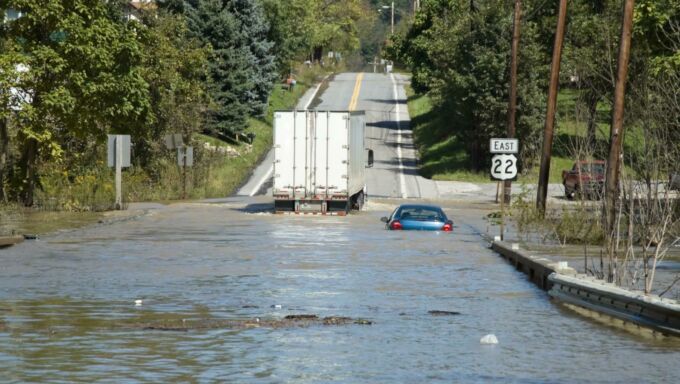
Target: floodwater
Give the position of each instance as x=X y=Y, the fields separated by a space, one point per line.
x=68 y=313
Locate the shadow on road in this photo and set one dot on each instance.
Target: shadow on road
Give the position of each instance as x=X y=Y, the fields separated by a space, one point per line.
x=388 y=101
x=391 y=124
x=256 y=208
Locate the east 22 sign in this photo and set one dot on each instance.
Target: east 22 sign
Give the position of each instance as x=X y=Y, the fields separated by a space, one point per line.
x=504 y=167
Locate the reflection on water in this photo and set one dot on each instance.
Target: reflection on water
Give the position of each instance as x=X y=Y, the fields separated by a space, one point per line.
x=67 y=309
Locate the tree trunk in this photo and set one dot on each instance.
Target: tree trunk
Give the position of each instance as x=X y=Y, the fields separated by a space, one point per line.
x=317 y=55
x=28 y=171
x=4 y=149
x=593 y=99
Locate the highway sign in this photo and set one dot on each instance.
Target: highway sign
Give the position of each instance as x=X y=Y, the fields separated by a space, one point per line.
x=174 y=140
x=185 y=156
x=504 y=167
x=115 y=141
x=504 y=145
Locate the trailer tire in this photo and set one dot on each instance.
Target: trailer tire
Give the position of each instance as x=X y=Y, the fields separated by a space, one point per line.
x=357 y=201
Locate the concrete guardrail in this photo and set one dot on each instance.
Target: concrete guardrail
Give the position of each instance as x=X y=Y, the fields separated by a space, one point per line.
x=6 y=241
x=651 y=311
x=537 y=269
x=563 y=283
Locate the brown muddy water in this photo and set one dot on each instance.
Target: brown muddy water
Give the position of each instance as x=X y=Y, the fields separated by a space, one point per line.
x=217 y=281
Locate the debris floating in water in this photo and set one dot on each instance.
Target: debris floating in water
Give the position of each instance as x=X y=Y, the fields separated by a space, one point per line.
x=301 y=317
x=443 y=313
x=489 y=339
x=138 y=302
x=290 y=321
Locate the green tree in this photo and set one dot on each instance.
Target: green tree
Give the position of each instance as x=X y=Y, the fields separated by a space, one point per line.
x=241 y=69
x=460 y=54
x=175 y=66
x=83 y=79
x=291 y=25
x=212 y=22
x=335 y=26
x=657 y=25
x=590 y=54
x=258 y=50
x=309 y=28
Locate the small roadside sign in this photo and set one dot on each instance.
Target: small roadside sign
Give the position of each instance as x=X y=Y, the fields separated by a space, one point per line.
x=115 y=141
x=504 y=167
x=174 y=140
x=119 y=157
x=504 y=145
x=185 y=156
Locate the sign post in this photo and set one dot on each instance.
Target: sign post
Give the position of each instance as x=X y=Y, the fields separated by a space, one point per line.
x=503 y=166
x=185 y=158
x=119 y=157
x=118 y=205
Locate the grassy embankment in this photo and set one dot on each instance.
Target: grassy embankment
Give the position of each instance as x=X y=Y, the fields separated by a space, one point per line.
x=219 y=167
x=446 y=159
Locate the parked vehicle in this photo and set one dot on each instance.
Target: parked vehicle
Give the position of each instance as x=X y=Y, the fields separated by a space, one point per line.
x=585 y=179
x=319 y=161
x=418 y=217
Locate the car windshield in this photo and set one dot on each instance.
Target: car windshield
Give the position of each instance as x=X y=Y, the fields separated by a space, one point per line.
x=597 y=168
x=591 y=168
x=421 y=214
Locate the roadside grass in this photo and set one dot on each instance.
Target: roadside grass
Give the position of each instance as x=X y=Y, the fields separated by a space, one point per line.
x=442 y=155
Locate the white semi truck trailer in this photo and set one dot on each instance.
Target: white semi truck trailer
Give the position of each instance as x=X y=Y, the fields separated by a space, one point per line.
x=319 y=161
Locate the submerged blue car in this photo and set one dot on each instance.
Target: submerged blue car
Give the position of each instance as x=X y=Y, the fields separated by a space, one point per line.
x=418 y=217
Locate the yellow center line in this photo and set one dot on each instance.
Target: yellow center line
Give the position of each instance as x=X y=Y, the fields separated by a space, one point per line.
x=355 y=95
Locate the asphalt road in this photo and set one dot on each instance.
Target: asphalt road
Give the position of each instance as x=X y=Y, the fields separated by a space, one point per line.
x=388 y=133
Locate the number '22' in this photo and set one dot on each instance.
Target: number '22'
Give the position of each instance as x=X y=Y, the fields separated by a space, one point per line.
x=498 y=163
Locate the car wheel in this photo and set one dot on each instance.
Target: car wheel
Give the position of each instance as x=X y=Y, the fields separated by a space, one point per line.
x=577 y=192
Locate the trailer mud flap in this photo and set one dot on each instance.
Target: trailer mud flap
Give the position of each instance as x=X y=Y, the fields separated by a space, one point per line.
x=284 y=205
x=338 y=206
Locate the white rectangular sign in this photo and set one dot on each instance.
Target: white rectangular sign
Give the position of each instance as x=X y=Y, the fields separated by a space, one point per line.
x=185 y=154
x=504 y=145
x=124 y=142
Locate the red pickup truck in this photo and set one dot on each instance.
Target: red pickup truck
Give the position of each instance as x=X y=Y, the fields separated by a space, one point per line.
x=585 y=178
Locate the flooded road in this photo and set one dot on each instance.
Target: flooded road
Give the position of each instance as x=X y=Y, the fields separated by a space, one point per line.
x=68 y=313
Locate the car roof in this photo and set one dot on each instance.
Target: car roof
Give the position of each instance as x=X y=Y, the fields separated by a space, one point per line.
x=428 y=206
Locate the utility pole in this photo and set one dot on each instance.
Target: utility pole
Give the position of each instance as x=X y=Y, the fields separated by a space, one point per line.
x=393 y=17
x=616 y=134
x=4 y=149
x=512 y=104
x=544 y=171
